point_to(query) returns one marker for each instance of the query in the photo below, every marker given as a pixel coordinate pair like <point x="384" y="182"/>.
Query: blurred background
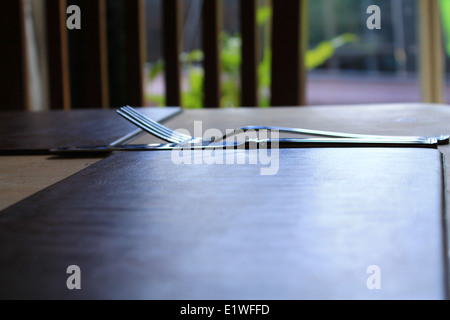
<point x="346" y="62"/>
<point x="367" y="66"/>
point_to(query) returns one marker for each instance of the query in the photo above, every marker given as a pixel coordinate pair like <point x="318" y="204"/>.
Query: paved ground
<point x="350" y="89"/>
<point x="354" y="90"/>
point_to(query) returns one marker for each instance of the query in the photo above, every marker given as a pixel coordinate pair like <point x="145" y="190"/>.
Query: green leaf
<point x="231" y="93"/>
<point x="264" y="69"/>
<point x="195" y="76"/>
<point x="263" y="15"/>
<point x="319" y="55"/>
<point x="326" y="49"/>
<point x="155" y="69"/>
<point x="191" y="101"/>
<point x="192" y="57"/>
<point x="231" y="54"/>
<point x="193" y="97"/>
<point x="343" y="39"/>
<point x="157" y="99"/>
<point x="445" y="12"/>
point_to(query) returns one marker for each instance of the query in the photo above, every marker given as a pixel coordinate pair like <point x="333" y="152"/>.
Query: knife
<point x="198" y="144"/>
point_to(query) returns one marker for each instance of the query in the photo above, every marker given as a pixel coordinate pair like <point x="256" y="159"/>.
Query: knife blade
<point x="254" y="144"/>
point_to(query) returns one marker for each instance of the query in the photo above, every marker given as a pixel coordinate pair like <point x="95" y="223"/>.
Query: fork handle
<point x="441" y="140"/>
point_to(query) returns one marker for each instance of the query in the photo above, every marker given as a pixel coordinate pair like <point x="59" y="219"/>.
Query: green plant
<point x="231" y="63"/>
<point x="193" y="97"/>
<point x="445" y="13"/>
<point x="155" y="69"/>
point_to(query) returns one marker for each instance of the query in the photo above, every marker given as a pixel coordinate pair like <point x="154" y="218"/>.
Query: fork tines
<point x="151" y="126"/>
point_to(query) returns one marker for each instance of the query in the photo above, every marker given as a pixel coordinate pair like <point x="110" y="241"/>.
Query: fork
<point x="153" y="127"/>
<point x="181" y="141"/>
<point x="441" y="140"/>
<point x="172" y="136"/>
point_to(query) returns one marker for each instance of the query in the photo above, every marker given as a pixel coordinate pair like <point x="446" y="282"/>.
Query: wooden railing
<point x="14" y="93"/>
<point x="88" y="69"/>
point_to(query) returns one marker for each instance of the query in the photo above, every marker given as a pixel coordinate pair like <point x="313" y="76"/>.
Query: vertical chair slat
<point x="58" y="54"/>
<point x="14" y="93"/>
<point x="126" y="52"/>
<point x="212" y="25"/>
<point x="117" y="60"/>
<point x="250" y="52"/>
<point x="135" y="51"/>
<point x="88" y="57"/>
<point x="288" y="52"/>
<point x="172" y="23"/>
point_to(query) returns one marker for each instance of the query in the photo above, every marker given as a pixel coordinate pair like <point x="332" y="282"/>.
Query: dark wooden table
<point x="36" y="133"/>
<point x="139" y="226"/>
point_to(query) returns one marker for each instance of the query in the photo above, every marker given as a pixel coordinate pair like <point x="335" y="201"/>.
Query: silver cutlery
<point x="177" y="141"/>
<point x="199" y="144"/>
<point x="172" y="136"/>
<point x="442" y="139"/>
<point x="154" y="128"/>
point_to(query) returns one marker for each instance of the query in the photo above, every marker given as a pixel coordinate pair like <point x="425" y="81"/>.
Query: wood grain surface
<point x="38" y="132"/>
<point x="419" y="119"/>
<point x="21" y="177"/>
<point x="141" y="227"/>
